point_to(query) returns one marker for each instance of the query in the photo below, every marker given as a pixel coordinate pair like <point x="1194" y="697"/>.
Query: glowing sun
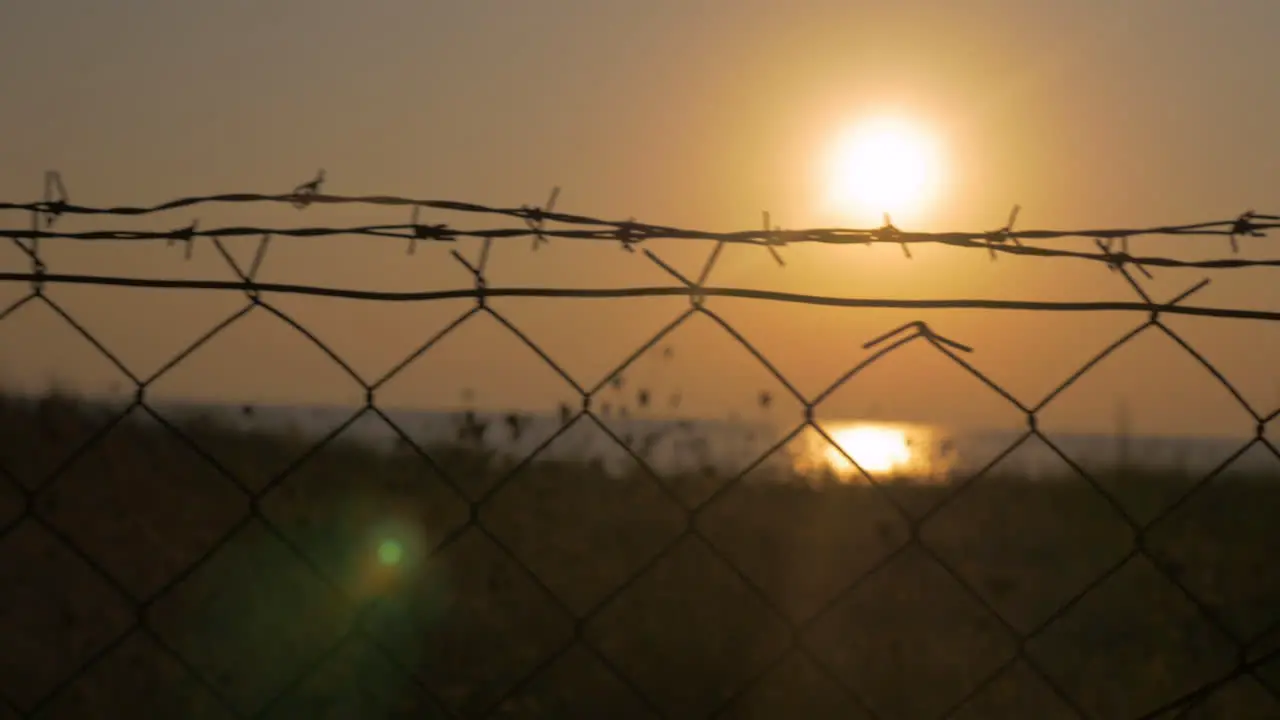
<point x="883" y="165"/>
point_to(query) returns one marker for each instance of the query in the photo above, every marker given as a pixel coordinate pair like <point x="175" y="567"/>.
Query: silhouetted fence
<point x="148" y="573"/>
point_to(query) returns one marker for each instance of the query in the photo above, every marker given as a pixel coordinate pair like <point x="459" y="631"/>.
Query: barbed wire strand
<point x="1004" y="240"/>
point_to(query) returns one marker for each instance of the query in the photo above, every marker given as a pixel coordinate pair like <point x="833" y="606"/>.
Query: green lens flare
<point x="390" y="552"/>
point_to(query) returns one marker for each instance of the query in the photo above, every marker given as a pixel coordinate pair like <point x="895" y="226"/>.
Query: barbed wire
<point x="1113" y="243"/>
<point x="1250" y="657"/>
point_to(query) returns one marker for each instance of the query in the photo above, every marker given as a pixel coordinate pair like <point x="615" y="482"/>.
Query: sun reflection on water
<point x="884" y="450"/>
<point x="874" y="449"/>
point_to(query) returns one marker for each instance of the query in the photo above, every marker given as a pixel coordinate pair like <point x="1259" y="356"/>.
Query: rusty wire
<point x="44" y="214"/>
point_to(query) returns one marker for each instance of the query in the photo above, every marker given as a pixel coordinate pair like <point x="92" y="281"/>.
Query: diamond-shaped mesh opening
<point x="252" y="618"/>
<point x="1131" y="644"/>
<point x="694" y="422"/>
<point x="57" y="395"/>
<point x="913" y="379"/>
<point x="1028" y="546"/>
<point x="1030" y="354"/>
<point x="915" y="418"/>
<point x="142" y="504"/>
<point x="576" y="685"/>
<point x="1147" y="431"/>
<point x="910" y="625"/>
<point x="364" y="511"/>
<point x="357" y="681"/>
<point x="1217" y="341"/>
<point x="594" y="529"/>
<point x="57" y="351"/>
<point x="1243" y="698"/>
<point x="589" y="339"/>
<point x="373" y="338"/>
<point x="471" y="624"/>
<point x="143" y="334"/>
<point x="263" y="416"/>
<point x="138" y="679"/>
<point x="1017" y="692"/>
<point x="692" y="612"/>
<point x="796" y="687"/>
<point x="812" y="346"/>
<point x="478" y="426"/>
<point x="56" y="614"/>
<point x="1217" y="543"/>
<point x="801" y="540"/>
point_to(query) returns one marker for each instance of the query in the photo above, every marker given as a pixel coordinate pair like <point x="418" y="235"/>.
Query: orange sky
<point x="699" y="114"/>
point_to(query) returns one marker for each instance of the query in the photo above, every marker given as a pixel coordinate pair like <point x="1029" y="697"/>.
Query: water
<point x="667" y="445"/>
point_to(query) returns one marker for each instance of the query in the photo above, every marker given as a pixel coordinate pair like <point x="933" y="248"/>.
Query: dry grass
<point x="141" y="525"/>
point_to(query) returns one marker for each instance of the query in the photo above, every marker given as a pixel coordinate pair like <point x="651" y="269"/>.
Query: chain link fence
<point x="158" y="566"/>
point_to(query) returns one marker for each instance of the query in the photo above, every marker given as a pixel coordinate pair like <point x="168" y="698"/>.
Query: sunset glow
<point x="885" y="165"/>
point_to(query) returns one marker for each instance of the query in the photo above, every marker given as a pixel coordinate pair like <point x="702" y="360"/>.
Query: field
<point x="141" y="581"/>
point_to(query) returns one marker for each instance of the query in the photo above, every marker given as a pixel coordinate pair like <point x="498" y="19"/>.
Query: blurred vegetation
<point x="562" y="591"/>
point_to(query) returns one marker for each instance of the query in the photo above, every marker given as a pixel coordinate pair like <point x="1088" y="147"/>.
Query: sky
<point x="1091" y="113"/>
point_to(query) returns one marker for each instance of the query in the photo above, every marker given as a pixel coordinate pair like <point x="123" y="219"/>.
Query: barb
<point x="628" y="234"/>
<point x="1244" y="225"/>
<point x="889" y="233"/>
<point x="186" y="236"/>
<point x="55" y="198"/>
<point x="1004" y="234"/>
<point x="305" y="194"/>
<point x="438" y="232"/>
<point x="775" y="238"/>
<point x="535" y="218"/>
<point x="1117" y="260"/>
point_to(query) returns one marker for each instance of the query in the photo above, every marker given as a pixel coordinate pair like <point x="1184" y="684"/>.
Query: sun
<point x="883" y="165"/>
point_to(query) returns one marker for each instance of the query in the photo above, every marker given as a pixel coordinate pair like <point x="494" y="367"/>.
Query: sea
<point x="882" y="448"/>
